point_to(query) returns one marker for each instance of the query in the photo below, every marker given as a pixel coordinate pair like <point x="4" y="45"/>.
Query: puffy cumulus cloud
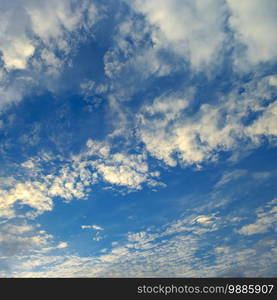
<point x="39" y="191"/>
<point x="254" y="23"/>
<point x="266" y="220"/>
<point x="193" y="30"/>
<point x="173" y="134"/>
<point x="61" y="15"/>
<point x="169" y="131"/>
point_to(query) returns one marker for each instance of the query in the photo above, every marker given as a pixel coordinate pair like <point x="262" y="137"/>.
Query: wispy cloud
<point x="266" y="220"/>
<point x="40" y="41"/>
<point x="170" y="250"/>
<point x="94" y="227"/>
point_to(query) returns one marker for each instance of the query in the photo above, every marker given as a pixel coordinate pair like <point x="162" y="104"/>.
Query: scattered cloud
<point x="170" y="133"/>
<point x="72" y="178"/>
<point x="155" y="60"/>
<point x="62" y="245"/>
<point x="164" y="251"/>
<point x="123" y="169"/>
<point x="230" y="176"/>
<point x="94" y="227"/>
<point x="265" y="221"/>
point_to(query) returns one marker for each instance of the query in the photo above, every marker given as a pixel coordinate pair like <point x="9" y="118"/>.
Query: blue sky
<point x="138" y="139"/>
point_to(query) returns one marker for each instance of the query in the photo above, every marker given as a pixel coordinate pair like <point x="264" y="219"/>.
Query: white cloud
<point x="262" y="175"/>
<point x="172" y="134"/>
<point x="19" y="239"/>
<point x="41" y="30"/>
<point x="162" y="251"/>
<point x="40" y="187"/>
<point x="11" y="93"/>
<point x="273" y="80"/>
<point x="33" y="194"/>
<point x="89" y="88"/>
<point x="62" y="245"/>
<point x="266" y="124"/>
<point x="133" y="59"/>
<point x="48" y="21"/>
<point x="199" y="32"/>
<point x="72" y="178"/>
<point x="170" y="249"/>
<point x="95" y="227"/>
<point x="205" y="220"/>
<point x="122" y="169"/>
<point x="166" y="134"/>
<point x="230" y="176"/>
<point x="254" y="24"/>
<point x="193" y="30"/>
<point x="266" y="220"/>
